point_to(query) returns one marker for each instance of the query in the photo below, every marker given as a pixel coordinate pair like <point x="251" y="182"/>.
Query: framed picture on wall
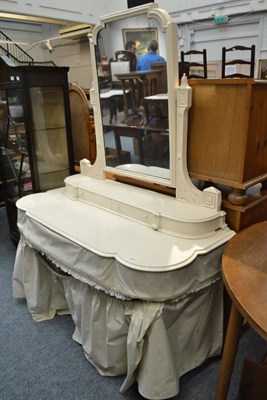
<point x="262" y="69"/>
<point x="141" y="37"/>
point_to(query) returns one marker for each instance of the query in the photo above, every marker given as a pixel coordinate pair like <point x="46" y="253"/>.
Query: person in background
<point x="104" y="67"/>
<point x="130" y="46"/>
<point x="144" y="62"/>
<point x="105" y="60"/>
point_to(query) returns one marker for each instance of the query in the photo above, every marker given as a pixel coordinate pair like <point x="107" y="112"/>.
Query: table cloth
<point x="150" y="326"/>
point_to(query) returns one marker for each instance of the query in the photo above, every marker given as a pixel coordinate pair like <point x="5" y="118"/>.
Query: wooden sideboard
<point x="227" y="134"/>
<point x="255" y="209"/>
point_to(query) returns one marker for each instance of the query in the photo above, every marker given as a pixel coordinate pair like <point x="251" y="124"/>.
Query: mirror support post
<point x="97" y="169"/>
<point x="185" y="189"/>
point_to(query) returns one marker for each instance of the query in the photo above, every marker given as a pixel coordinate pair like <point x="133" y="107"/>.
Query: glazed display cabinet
<point x="35" y="132"/>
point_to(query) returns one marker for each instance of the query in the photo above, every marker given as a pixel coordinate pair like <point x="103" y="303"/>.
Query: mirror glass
<point x="133" y="99"/>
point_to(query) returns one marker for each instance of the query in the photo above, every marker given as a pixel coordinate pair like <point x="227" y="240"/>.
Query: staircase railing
<point x="15" y="53"/>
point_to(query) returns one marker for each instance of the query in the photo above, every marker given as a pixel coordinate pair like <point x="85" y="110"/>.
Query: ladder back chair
<point x="250" y="61"/>
<point x="200" y="66"/>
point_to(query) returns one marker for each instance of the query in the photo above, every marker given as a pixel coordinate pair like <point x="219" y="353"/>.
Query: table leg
<point x="141" y="150"/>
<point x="112" y="111"/>
<point x="229" y="353"/>
<point x="132" y="133"/>
<point x="118" y="144"/>
<point x="146" y="110"/>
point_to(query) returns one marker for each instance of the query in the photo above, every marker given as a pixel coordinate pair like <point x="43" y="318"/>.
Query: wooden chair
<point x="186" y="66"/>
<point x="115" y="90"/>
<point x="244" y="267"/>
<point x="163" y="77"/>
<point x="250" y="61"/>
<point x="156" y="102"/>
<point x="126" y="55"/>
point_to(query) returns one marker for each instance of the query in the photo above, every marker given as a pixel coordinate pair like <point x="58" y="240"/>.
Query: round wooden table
<point x="244" y="271"/>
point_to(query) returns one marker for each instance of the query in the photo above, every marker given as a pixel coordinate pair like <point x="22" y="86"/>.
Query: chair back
<point x="163" y="76"/>
<point x="117" y="67"/>
<point x="250" y="61"/>
<point x="200" y="66"/>
<point x="126" y="55"/>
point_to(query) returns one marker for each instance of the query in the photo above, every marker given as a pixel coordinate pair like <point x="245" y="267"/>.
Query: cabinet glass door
<point x="15" y="159"/>
<point x="49" y="136"/>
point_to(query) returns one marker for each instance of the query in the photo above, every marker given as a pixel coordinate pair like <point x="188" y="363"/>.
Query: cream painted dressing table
<point x="138" y="271"/>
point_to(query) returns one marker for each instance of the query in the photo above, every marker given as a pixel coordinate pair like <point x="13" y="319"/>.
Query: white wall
<point x="75" y="55"/>
<point x="196" y="10"/>
<point x="89" y="11"/>
<point x="83" y="11"/>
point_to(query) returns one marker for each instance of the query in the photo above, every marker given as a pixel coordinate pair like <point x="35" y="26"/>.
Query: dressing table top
<point x="143" y="230"/>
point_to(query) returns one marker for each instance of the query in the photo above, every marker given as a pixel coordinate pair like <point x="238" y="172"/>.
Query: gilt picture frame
<point x="262" y="69"/>
<point x="141" y="37"/>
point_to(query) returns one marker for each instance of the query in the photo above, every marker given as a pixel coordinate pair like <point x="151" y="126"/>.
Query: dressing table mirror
<point x="131" y="143"/>
<point x="157" y="147"/>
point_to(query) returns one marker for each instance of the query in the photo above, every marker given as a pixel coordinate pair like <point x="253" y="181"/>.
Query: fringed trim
<point x="115" y="293"/>
<point x="133" y="305"/>
<point x="82" y="278"/>
<point x="197" y="288"/>
<point x="77" y="275"/>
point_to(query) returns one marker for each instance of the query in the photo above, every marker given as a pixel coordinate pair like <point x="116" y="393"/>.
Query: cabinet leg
<point x="238" y="197"/>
